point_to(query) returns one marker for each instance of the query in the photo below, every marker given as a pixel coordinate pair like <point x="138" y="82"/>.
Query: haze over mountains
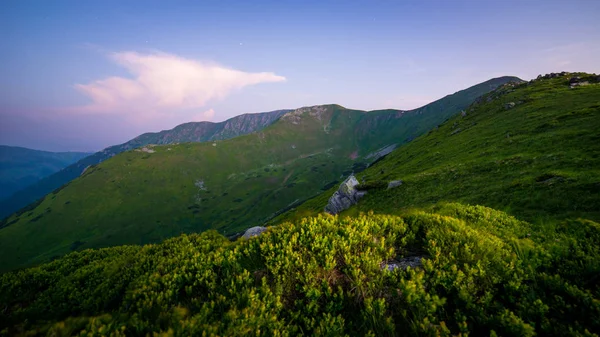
<point x="21" y="167"/>
<point x="155" y="192"/>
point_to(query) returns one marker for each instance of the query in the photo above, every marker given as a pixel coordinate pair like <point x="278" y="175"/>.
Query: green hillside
<point x="149" y="194"/>
<point x="188" y="132"/>
<point x="538" y="160"/>
<point x="21" y="167"/>
<point x="529" y="150"/>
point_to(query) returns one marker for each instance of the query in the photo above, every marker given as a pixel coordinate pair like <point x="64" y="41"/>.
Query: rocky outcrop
<point x="404" y="263"/>
<point x="552" y="75"/>
<point x="509" y="105"/>
<point x="317" y="112"/>
<point x="253" y="231"/>
<point x="574" y="79"/>
<point x="577" y="82"/>
<point x="384" y="151"/>
<point x="346" y="196"/>
<point x="394" y="183"/>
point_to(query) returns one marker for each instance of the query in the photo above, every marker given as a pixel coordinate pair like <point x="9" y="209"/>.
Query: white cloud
<point x="165" y="82"/>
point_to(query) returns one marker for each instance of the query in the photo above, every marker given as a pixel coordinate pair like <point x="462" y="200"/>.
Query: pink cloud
<point x="164" y="82"/>
<point x="204" y="116"/>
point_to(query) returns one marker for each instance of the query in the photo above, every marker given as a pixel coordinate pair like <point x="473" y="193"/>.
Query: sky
<point x="84" y="75"/>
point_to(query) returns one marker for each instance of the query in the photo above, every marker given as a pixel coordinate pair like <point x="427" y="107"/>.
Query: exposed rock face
<point x="317" y="112"/>
<point x="394" y="183"/>
<point x="509" y="105"/>
<point x="346" y="196"/>
<point x="577" y="81"/>
<point x="254" y="231"/>
<point x="552" y="75"/>
<point x="404" y="263"/>
<point x="85" y="169"/>
<point x="384" y="151"/>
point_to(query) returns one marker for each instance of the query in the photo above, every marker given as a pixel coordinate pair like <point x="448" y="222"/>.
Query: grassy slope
<point x="21" y="167"/>
<point x="539" y="160"/>
<point x="138" y="197"/>
<point x="188" y="132"/>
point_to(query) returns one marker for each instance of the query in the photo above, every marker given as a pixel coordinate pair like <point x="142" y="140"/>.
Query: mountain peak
<point x="318" y="112"/>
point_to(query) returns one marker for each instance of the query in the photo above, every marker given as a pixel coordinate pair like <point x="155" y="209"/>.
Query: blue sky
<point x="83" y="75"/>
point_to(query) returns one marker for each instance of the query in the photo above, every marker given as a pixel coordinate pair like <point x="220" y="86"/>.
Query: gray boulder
<point x="394" y="183"/>
<point x="254" y="231"/>
<point x="346" y="196"/>
<point x="509" y="105"/>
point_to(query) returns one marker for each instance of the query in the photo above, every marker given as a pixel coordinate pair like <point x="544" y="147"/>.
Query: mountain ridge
<point x="526" y="102"/>
<point x="187" y="132"/>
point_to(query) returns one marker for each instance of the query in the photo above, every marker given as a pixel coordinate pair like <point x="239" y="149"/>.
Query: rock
<point x="394" y="183"/>
<point x="579" y="84"/>
<point x="574" y="79"/>
<point x="85" y="169"/>
<point x="463" y="113"/>
<point x="455" y="131"/>
<point x="254" y="231"/>
<point x="346" y="196"/>
<point x="509" y="105"/>
<point x="404" y="263"/>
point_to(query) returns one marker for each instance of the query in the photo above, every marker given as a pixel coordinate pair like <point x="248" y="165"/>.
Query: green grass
<point x="539" y="161"/>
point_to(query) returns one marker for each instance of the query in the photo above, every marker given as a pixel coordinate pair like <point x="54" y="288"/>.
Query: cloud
<point x="166" y="82"/>
<point x="205" y="115"/>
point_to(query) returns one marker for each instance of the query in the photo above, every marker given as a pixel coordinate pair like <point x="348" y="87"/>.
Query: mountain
<point x="188" y="132"/>
<point x="21" y="167"/>
<point x="436" y="266"/>
<point x="532" y="150"/>
<point x="156" y="192"/>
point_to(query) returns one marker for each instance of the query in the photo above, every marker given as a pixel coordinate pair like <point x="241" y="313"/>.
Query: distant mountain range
<point x="17" y="198"/>
<point x="155" y="192"/>
<point x="21" y="167"/>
